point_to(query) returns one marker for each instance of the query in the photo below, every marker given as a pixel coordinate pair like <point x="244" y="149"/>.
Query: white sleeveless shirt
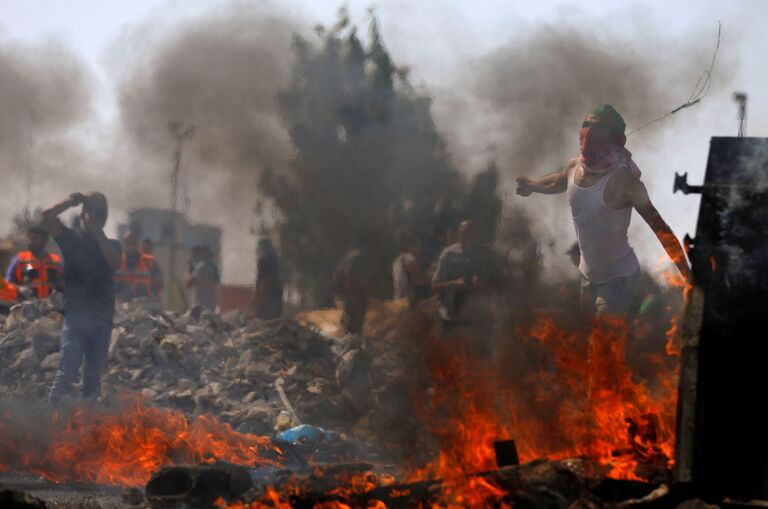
<point x="601" y="231"/>
<point x="402" y="283"/>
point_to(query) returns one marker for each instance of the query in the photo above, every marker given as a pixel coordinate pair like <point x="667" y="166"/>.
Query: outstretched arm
<point x="642" y="203"/>
<point x="554" y="183"/>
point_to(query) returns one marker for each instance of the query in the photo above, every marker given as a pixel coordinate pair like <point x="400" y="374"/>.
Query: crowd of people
<point x="93" y="273"/>
<point x="462" y="270"/>
<point x="464" y="275"/>
<point x="37" y="273"/>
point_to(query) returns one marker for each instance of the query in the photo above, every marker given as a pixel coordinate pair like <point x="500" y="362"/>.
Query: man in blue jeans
<point x="89" y="292"/>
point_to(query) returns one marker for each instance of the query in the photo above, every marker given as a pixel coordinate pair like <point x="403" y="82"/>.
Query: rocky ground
<point x="205" y="363"/>
<point x="261" y="377"/>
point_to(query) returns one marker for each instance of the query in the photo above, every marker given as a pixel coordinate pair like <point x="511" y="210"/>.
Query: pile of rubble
<point x="195" y="362"/>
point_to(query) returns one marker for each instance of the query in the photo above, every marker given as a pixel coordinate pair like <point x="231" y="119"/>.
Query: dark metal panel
<point x="722" y="443"/>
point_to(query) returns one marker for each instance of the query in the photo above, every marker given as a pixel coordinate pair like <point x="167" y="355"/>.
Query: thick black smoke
<point x="220" y="73"/>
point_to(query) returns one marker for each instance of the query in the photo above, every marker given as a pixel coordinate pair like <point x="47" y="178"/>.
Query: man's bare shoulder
<point x="571" y="165"/>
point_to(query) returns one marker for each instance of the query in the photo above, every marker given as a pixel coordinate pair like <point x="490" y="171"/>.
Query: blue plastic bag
<point x="305" y="433"/>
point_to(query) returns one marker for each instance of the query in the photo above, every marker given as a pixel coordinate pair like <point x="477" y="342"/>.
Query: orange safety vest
<point x="38" y="273"/>
<point x="9" y="294"/>
<point x="139" y="278"/>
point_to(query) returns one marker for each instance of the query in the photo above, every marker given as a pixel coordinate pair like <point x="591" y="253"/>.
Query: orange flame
<point x="612" y="418"/>
<point x="466" y="422"/>
<point x="596" y="407"/>
<point x="126" y="447"/>
<point x="599" y="411"/>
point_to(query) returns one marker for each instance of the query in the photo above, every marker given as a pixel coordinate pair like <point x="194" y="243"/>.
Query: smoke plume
<point x="44" y="93"/>
<point x="219" y="73"/>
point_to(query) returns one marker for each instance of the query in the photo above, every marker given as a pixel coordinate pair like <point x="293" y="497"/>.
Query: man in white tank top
<point x="603" y="186"/>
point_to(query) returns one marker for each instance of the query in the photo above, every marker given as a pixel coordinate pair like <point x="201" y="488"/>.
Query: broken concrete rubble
<point x="226" y="366"/>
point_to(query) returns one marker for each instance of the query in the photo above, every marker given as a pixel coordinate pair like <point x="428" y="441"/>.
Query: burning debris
<point x="198" y="372"/>
<point x="124" y="446"/>
<point x="483" y="386"/>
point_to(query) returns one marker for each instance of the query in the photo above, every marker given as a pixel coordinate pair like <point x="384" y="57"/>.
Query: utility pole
<point x="182" y="133"/>
<point x="741" y="100"/>
<point x="30" y="176"/>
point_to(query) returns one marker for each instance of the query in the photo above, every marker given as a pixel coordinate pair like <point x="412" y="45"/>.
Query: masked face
<point x="597" y="145"/>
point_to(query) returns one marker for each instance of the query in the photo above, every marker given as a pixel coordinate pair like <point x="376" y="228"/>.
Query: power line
<point x="699" y="91"/>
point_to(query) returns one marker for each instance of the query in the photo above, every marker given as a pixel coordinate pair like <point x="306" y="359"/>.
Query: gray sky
<point x="435" y="38"/>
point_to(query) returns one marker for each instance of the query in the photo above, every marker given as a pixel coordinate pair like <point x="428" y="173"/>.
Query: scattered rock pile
<point x="195" y="362"/>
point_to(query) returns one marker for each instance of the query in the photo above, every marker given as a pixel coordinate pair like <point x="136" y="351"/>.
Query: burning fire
<point x="588" y="404"/>
<point x="617" y="422"/>
<point x="466" y="419"/>
<point x="591" y="405"/>
<point x="126" y="447"/>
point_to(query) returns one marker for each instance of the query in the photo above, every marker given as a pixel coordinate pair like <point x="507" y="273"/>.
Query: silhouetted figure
<point x="268" y="297"/>
<point x="352" y="283"/>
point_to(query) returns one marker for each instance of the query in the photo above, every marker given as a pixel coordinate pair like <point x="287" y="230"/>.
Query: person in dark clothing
<point x="466" y="276"/>
<point x="89" y="292"/>
<point x="268" y="297"/>
<point x="352" y="282"/>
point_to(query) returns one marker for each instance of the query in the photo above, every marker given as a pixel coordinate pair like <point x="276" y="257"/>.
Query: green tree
<point x="367" y="156"/>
